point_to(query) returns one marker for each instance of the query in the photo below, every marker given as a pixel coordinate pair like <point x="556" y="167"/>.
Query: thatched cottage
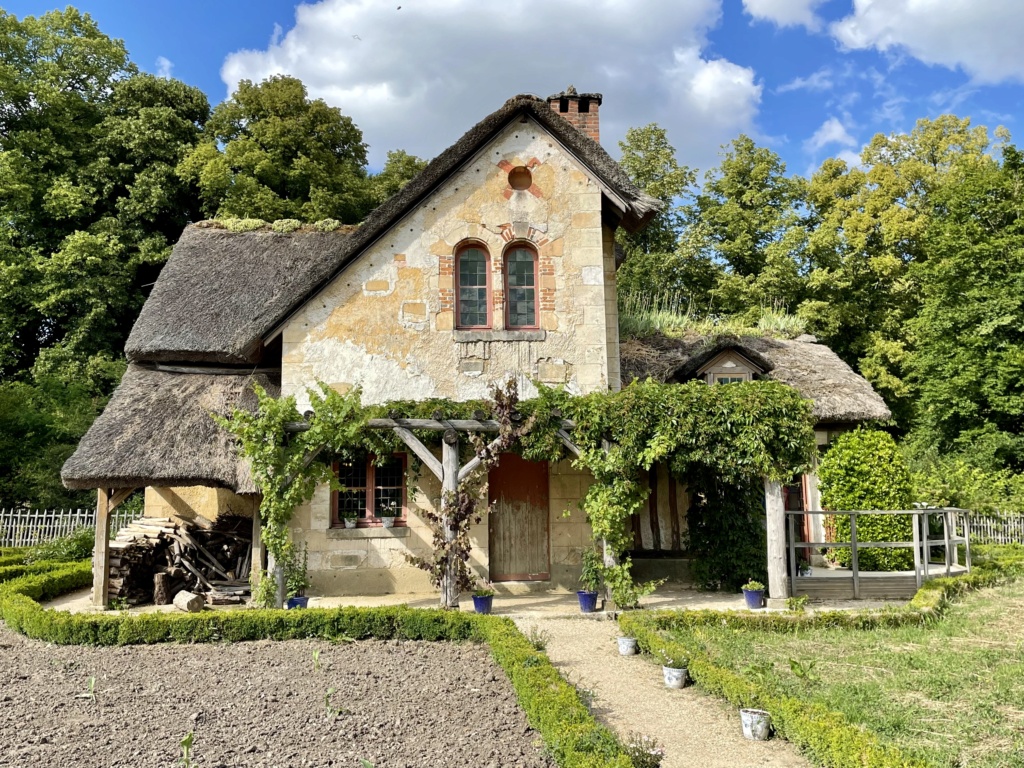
<point x="498" y="259"/>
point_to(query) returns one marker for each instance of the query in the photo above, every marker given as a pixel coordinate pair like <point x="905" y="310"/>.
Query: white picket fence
<point x="27" y="527"/>
<point x="997" y="529"/>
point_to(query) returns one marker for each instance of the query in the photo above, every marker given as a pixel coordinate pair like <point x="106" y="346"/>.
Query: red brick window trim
<point x="473" y="299"/>
<point x="370" y="490"/>
<point x="522" y="279"/>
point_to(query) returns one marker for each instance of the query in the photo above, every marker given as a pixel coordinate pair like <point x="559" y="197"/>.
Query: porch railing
<point x="953" y="521"/>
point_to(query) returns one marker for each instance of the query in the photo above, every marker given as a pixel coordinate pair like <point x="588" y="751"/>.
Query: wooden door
<point x="518" y="493"/>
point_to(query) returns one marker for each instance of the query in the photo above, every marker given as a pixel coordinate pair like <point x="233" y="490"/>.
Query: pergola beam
<point x="459" y="425"/>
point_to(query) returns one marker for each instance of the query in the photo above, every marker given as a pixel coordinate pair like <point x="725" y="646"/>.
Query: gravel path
<point x="260" y="705"/>
<point x="698" y="731"/>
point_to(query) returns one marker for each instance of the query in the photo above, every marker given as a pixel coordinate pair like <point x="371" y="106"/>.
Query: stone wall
<point x="185" y="503"/>
<point x="387" y="322"/>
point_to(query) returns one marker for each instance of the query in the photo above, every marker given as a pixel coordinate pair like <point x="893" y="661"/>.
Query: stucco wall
<point x="387" y="322"/>
<point x="185" y="503"/>
<point x="373" y="560"/>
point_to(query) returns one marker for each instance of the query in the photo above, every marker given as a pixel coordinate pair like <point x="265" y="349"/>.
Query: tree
<point x="269" y="152"/>
<point x="399" y="169"/>
<point x="89" y="205"/>
<point x="967" y="360"/>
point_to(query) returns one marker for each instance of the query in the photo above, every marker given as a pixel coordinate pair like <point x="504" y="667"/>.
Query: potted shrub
<point x="388" y="515"/>
<point x="627" y="646"/>
<point x="483" y="598"/>
<point x="673" y="670"/>
<point x="297" y="579"/>
<point x="349" y="518"/>
<point x="591" y="579"/>
<point x="753" y="593"/>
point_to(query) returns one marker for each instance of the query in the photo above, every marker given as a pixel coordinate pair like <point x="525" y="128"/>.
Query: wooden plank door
<point x="518" y="530"/>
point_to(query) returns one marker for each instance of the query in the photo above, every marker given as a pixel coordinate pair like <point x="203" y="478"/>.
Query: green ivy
<point x="864" y="469"/>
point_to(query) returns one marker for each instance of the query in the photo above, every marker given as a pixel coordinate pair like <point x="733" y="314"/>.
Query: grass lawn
<point x="951" y="693"/>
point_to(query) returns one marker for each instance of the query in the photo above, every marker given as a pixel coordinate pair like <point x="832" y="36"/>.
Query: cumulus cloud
<point x="981" y="37"/>
<point x="164" y="66"/>
<point x="832" y="131"/>
<point x="416" y="76"/>
<point x="786" y="13"/>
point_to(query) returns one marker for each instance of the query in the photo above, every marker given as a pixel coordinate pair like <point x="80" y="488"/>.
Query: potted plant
<point x="349" y="518"/>
<point x="757" y="724"/>
<point x="591" y="579"/>
<point x="483" y="597"/>
<point x="627" y="646"/>
<point x="753" y="593"/>
<point x="673" y="670"/>
<point x="297" y="579"/>
<point x="388" y="514"/>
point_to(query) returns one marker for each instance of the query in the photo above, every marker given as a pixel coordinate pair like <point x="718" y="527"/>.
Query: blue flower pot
<point x="297" y="602"/>
<point x="588" y="601"/>
<point x="482" y="604"/>
<point x="754" y="598"/>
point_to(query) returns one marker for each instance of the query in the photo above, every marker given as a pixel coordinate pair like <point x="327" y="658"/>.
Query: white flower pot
<point x="674" y="677"/>
<point x="757" y="724"/>
<point x="387" y="522"/>
<point x="350" y="522"/>
<point x="627" y="646"/>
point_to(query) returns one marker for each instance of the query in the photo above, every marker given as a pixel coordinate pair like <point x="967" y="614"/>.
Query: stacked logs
<point x="155" y="558"/>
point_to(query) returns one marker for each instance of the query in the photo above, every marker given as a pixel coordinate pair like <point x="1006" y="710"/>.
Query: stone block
<point x="414" y="311"/>
<point x="444" y="321"/>
<point x="376" y="286"/>
<point x="553" y="373"/>
<point x="346" y="559"/>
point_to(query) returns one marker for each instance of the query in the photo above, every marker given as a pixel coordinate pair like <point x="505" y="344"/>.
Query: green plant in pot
<point x="591" y="580"/>
<point x="753" y="594"/>
<point x="673" y="670"/>
<point x="483" y="597"/>
<point x="296" y="576"/>
<point x="349" y="518"/>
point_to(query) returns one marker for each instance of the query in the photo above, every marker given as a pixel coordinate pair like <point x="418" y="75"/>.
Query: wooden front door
<point x="518" y="493"/>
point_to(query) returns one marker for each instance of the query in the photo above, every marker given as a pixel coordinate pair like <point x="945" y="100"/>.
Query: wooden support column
<point x="673" y="511"/>
<point x="449" y="489"/>
<point x="652" y="482"/>
<point x="775" y="510"/>
<point x="258" y="550"/>
<point x="101" y="550"/>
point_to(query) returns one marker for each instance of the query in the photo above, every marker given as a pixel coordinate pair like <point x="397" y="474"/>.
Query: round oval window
<point x="520" y="177"/>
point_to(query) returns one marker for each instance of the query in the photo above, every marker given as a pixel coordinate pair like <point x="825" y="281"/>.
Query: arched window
<point x="472" y="288"/>
<point x="521" y="287"/>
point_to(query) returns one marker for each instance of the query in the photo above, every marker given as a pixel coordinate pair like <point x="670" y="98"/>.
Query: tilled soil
<point x="260" y="704"/>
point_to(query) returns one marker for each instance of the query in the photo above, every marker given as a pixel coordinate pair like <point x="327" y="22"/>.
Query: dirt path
<point x="697" y="730"/>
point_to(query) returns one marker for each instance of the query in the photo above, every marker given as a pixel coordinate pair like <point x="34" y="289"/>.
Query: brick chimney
<point x="580" y="109"/>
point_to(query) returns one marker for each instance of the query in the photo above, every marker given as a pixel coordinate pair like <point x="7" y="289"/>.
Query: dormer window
<point x="729" y="367"/>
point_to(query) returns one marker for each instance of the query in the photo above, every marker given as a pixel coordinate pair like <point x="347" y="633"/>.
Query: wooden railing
<point x="27" y="527"/>
<point x="921" y="543"/>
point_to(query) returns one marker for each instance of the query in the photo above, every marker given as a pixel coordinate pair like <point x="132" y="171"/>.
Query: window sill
<point x="398" y="532"/>
<point x="484" y="335"/>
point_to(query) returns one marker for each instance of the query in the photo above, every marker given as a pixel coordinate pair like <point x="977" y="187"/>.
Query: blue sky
<point x="809" y="78"/>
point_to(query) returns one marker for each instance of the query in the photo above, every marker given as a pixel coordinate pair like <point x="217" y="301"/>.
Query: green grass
<point x="950" y="693"/>
<point x="643" y="314"/>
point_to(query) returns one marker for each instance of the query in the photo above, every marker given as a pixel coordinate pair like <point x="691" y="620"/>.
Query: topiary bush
<point x="864" y="469"/>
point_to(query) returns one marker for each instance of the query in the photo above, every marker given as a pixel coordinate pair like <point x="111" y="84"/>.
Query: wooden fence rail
<point x="996" y="529"/>
<point x="27" y="527"/>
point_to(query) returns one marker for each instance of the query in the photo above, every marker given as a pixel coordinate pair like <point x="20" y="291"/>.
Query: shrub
<point x="77" y="545"/>
<point x="326" y="225"/>
<point x="244" y="225"/>
<point x="864" y="469"/>
<point x="727" y="533"/>
<point x="284" y="226"/>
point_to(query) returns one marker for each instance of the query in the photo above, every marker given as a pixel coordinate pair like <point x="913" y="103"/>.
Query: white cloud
<point x="981" y="37"/>
<point x="821" y="80"/>
<point x="832" y="131"/>
<point x="786" y="13"/>
<point x="164" y="66"/>
<point x="417" y="77"/>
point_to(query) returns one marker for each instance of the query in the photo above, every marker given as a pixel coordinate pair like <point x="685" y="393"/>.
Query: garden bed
<point x="396" y="703"/>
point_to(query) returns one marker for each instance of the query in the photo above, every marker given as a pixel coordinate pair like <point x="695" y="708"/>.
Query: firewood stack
<point x="155" y="558"/>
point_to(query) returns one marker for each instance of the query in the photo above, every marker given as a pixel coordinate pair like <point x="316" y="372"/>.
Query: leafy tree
<point x="399" y="169"/>
<point x="967" y="364"/>
<point x="269" y="152"/>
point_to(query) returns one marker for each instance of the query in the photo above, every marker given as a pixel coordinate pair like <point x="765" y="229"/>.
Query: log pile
<point x="153" y="559"/>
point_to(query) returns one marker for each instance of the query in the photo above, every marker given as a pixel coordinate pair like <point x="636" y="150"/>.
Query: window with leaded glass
<point x="370" y="491"/>
<point x="472" y="268"/>
<point x="521" y="288"/>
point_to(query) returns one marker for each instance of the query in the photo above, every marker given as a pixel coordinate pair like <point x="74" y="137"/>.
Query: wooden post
<point x="917" y="549"/>
<point x="927" y="550"/>
<point x="449" y="490"/>
<point x="775" y="511"/>
<point x="258" y="550"/>
<point x="791" y="535"/>
<point x="853" y="556"/>
<point x="652" y="506"/>
<point x="101" y="550"/>
<point x="947" y="536"/>
<point x="673" y="511"/>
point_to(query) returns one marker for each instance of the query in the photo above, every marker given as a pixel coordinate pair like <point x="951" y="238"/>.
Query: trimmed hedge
<point x="553" y="707"/>
<point x="828" y="736"/>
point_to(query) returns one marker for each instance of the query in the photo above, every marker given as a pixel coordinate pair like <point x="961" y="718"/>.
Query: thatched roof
<point x="221" y="292"/>
<point x="840" y="395"/>
<point x="157" y="431"/>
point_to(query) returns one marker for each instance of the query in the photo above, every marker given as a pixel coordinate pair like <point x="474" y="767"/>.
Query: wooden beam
<point x="459" y="425"/>
<point x="475" y="462"/>
<point x="673" y="512"/>
<point x="652" y="507"/>
<point x="449" y="488"/>
<point x="422" y="452"/>
<point x="775" y="511"/>
<point x="101" y="549"/>
<point x="119" y="496"/>
<point x="568" y="443"/>
<point x="258" y="552"/>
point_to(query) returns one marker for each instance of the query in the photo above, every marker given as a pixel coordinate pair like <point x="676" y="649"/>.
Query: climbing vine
<point x="737" y="432"/>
